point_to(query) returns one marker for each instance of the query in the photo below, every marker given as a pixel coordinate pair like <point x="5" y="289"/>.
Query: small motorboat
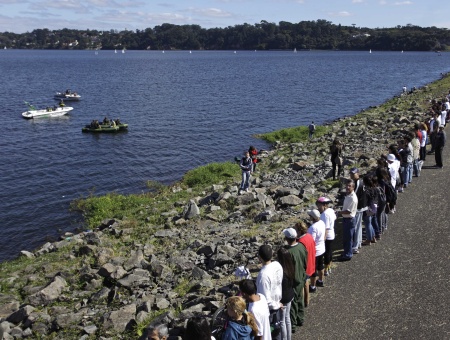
<point x="105" y="126"/>
<point x="68" y="96"/>
<point x="54" y="111"/>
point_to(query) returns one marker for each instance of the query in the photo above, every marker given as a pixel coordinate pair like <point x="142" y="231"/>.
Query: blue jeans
<point x="416" y="167"/>
<point x="286" y="327"/>
<point x="348" y="235"/>
<point x="407" y="171"/>
<point x="357" y="237"/>
<point x="245" y="183"/>
<point x="370" y="234"/>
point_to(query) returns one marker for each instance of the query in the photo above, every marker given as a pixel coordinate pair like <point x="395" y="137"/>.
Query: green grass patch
<point x="213" y="173"/>
<point x="292" y="135"/>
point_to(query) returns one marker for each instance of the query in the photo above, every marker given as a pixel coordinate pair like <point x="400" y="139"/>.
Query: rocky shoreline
<point x="83" y="287"/>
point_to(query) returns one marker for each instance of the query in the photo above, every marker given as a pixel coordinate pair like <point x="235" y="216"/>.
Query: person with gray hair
<point x="157" y="332"/>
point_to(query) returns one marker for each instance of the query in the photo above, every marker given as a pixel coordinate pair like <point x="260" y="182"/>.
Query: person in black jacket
<point x="439" y="145"/>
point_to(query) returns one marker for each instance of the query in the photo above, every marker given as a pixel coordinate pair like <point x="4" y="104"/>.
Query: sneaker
<point x="344" y="258"/>
<point x="319" y="283"/>
<point x="246" y="190"/>
<point x="355" y="251"/>
<point x="326" y="273"/>
<point x="312" y="289"/>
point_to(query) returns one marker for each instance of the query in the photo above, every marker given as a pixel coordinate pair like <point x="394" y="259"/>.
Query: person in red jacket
<point x="253" y="153"/>
<point x="310" y="245"/>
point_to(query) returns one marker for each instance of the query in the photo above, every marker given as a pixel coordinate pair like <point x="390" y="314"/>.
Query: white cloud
<point x="340" y="14"/>
<point x="403" y="3"/>
<point x="211" y="12"/>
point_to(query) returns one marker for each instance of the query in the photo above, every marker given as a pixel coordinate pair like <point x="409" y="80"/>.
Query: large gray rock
<point x="139" y="277"/>
<point x="191" y="210"/>
<point x="120" y="320"/>
<point x="134" y="261"/>
<point x="50" y="293"/>
<point x="21" y="314"/>
<point x="290" y="200"/>
<point x="8" y="305"/>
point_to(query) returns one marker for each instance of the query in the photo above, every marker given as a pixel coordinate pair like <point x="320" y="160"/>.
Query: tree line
<point x="305" y="35"/>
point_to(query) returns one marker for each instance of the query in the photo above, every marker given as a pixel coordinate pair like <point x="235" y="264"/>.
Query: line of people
<point x="273" y="306"/>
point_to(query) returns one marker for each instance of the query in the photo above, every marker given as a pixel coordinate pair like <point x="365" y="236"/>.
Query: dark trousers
<point x="423" y="152"/>
<point x="298" y="306"/>
<point x="438" y="155"/>
<point x="338" y="166"/>
<point x="348" y="235"/>
<point x="328" y="256"/>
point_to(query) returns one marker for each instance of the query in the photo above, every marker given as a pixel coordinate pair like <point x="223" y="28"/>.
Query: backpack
<point x="381" y="197"/>
<point x="391" y="194"/>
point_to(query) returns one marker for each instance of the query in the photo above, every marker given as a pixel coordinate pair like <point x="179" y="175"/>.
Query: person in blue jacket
<point x="242" y="324"/>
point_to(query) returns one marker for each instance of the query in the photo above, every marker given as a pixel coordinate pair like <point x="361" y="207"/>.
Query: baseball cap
<point x="290" y="233"/>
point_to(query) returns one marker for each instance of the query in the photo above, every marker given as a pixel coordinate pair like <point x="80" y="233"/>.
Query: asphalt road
<point x="397" y="288"/>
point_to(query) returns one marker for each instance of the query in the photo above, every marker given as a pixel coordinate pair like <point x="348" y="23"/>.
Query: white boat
<point x="67" y="96"/>
<point x="55" y="111"/>
<point x="123" y="51"/>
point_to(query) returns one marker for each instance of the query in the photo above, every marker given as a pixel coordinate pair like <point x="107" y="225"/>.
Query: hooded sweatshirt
<point x="238" y="331"/>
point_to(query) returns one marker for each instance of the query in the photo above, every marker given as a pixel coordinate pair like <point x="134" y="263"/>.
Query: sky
<point x="20" y="16"/>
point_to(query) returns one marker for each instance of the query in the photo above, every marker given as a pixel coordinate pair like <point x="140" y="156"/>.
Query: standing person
<point x="336" y="157"/>
<point x="287" y="262"/>
<point x="310" y="246"/>
<point x="348" y="214"/>
<point x="298" y="253"/>
<point x="444" y="115"/>
<point x="268" y="283"/>
<point x="416" y="153"/>
<point x="423" y="141"/>
<point x="312" y="129"/>
<point x="246" y="165"/>
<point x="257" y="305"/>
<point x="242" y="325"/>
<point x="393" y="165"/>
<point x="317" y="231"/>
<point x="434" y="127"/>
<point x="253" y="155"/>
<point x="372" y="204"/>
<point x="328" y="216"/>
<point x="362" y="207"/>
<point x="380" y="219"/>
<point x="409" y="159"/>
<point x="61" y="103"/>
<point x="440" y="143"/>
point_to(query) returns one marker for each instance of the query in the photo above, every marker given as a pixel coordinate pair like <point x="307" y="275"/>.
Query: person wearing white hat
<point x="393" y="165"/>
<point x="317" y="231"/>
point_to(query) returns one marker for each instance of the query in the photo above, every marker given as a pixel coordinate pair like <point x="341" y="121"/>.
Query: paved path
<point x="399" y="287"/>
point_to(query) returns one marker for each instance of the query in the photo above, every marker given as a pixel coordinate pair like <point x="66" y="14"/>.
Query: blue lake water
<point x="183" y="110"/>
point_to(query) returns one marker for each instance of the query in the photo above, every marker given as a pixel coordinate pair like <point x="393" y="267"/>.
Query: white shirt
<point x="393" y="170"/>
<point x="424" y="138"/>
<point x="268" y="283"/>
<point x="443" y="117"/>
<point x="328" y="217"/>
<point x="260" y="310"/>
<point x="350" y="204"/>
<point x="317" y="231"/>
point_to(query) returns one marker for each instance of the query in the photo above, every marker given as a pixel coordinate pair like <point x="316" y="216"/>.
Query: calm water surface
<point x="183" y="109"/>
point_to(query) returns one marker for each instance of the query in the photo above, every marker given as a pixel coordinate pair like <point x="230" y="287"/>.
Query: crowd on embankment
<point x="172" y="274"/>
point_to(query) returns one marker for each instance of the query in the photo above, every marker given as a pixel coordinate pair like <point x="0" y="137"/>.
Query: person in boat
<point x="118" y="121"/>
<point x="97" y="124"/>
<point x="61" y="103"/>
<point x="105" y="121"/>
<point x="113" y="124"/>
<point x="67" y="91"/>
